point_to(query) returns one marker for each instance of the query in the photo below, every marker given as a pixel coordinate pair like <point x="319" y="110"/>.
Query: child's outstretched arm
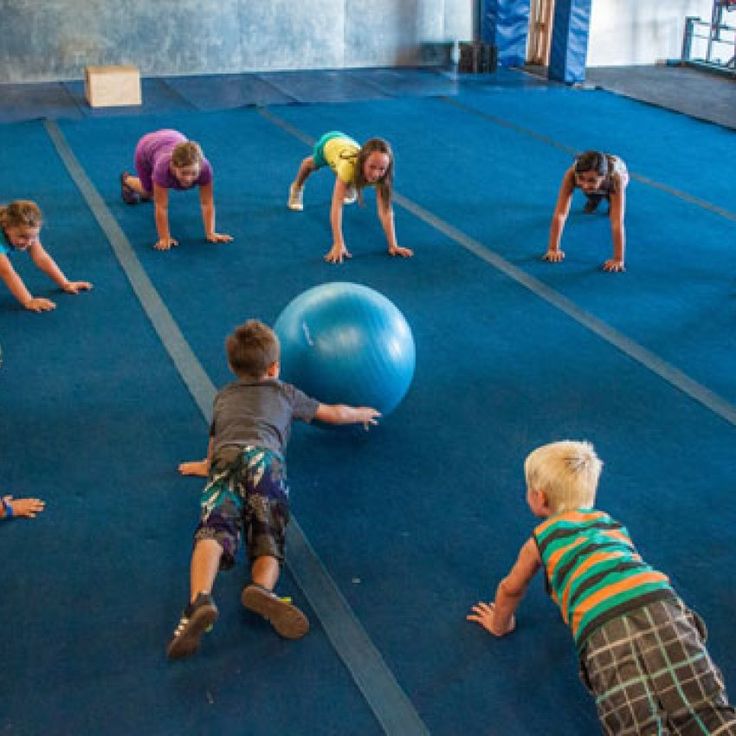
<point x="344" y="414"/>
<point x="498" y="617"/>
<point x="16" y="507"/>
<point x="559" y="218"/>
<point x="207" y="203"/>
<point x="49" y="266"/>
<point x="200" y="468"/>
<point x="339" y="249"/>
<point x="18" y="289"/>
<point x="386" y="216"/>
<point x="161" y="216"/>
<point x="618" y="232"/>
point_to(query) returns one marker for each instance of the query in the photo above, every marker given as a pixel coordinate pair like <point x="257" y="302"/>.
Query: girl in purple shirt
<point x="165" y="160"/>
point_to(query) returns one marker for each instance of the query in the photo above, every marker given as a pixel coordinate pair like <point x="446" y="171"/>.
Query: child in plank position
<point x="247" y="490"/>
<point x="20" y="227"/>
<point x="642" y="651"/>
<point x="165" y="160"/>
<point x="599" y="176"/>
<point x="355" y="168"/>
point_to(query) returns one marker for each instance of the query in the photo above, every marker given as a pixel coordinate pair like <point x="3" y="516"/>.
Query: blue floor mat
<point x="30" y="101"/>
<point x="156" y="95"/>
<point x="322" y="86"/>
<point x="221" y="92"/>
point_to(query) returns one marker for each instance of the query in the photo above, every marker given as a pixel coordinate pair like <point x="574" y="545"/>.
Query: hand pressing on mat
<point x="200" y="468"/>
<point x="12" y="508"/>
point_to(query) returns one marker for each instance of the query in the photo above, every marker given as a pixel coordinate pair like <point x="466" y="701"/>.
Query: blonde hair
<point x="567" y="472"/>
<point x="251" y="349"/>
<point x="187" y="153"/>
<point x="20" y="213"/>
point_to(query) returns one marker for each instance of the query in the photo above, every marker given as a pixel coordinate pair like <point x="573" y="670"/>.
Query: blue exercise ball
<point x="344" y="343"/>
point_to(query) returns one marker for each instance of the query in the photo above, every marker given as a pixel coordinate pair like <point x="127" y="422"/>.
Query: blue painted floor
<point x="421" y="517"/>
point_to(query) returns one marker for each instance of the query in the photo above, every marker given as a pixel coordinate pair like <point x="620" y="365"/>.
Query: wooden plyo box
<point x="112" y="86"/>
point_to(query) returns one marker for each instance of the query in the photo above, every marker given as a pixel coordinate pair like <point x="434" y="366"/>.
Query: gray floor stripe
<point x="654" y="363"/>
<point x="389" y="703"/>
<point x="288" y="127"/>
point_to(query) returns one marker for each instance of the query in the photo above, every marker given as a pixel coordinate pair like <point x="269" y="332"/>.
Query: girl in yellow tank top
<point x="355" y="168"/>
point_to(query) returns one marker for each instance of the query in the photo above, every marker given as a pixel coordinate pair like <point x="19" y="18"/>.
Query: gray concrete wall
<point x="51" y="40"/>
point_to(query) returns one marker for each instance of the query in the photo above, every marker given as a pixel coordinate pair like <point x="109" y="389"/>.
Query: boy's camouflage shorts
<point x="247" y="493"/>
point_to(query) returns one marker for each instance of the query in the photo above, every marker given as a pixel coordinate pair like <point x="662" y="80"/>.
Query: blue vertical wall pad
<point x="505" y="24"/>
<point x="569" y="45"/>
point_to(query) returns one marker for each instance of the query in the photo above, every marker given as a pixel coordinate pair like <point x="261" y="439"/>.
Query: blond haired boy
<point x="642" y="651"/>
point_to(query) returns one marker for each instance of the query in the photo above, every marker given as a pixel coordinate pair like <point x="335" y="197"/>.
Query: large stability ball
<point x="344" y="343"/>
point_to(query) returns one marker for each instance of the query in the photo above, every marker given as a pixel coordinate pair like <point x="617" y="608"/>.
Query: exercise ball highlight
<point x="345" y="343"/>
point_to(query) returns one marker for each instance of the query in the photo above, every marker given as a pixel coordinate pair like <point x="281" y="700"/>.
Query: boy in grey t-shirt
<point x="247" y="490"/>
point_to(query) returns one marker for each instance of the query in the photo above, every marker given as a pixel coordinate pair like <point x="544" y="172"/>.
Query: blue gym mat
<point x="416" y="520"/>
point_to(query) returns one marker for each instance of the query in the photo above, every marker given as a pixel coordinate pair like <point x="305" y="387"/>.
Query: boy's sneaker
<point x="296" y="198"/>
<point x="350" y="195"/>
<point x="198" y="618"/>
<point x="285" y="617"/>
<point x="129" y="195"/>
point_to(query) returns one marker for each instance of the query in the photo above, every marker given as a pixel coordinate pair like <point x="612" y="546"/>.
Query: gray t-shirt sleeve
<point x="303" y="407"/>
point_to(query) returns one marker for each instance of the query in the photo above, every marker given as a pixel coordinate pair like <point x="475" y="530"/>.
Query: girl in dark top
<point x="598" y="175"/>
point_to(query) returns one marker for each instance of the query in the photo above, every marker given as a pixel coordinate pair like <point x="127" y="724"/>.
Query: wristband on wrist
<point x="8" y="509"/>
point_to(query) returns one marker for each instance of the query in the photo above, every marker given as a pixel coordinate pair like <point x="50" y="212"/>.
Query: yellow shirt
<point x="341" y="155"/>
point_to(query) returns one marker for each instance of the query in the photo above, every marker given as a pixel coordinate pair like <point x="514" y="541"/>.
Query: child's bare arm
<point x="18" y="289"/>
<point x="207" y="203"/>
<point x="559" y="218"/>
<point x="200" y="468"/>
<point x="339" y="250"/>
<point x="344" y="414"/>
<point x="48" y="265"/>
<point x="13" y="281"/>
<point x="161" y="216"/>
<point x="386" y="216"/>
<point x="498" y="617"/>
<point x="618" y="232"/>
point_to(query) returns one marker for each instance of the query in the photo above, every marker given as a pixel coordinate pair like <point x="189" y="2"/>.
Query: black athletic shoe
<point x="128" y="194"/>
<point x="198" y="618"/>
<point x="286" y="618"/>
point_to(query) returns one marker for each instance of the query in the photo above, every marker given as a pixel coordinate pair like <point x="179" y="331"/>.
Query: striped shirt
<point x="593" y="570"/>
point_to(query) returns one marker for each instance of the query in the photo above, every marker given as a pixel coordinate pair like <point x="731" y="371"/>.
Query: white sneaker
<point x="296" y="198"/>
<point x="350" y="195"/>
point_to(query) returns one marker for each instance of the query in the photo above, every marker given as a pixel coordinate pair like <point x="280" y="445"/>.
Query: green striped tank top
<point x="593" y="570"/>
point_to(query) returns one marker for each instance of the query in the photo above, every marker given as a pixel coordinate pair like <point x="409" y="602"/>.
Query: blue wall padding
<point x="505" y="24"/>
<point x="569" y="46"/>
